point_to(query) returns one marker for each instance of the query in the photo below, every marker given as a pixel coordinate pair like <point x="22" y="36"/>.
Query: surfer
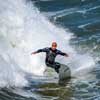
<point x="51" y="53"/>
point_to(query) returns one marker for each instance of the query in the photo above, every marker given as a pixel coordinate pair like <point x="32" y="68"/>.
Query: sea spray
<point x="24" y="29"/>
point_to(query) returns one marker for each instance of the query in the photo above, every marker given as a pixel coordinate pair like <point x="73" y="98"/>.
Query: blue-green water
<point x="82" y="18"/>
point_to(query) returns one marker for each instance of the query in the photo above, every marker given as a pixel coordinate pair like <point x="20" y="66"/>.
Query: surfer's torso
<point x="51" y="54"/>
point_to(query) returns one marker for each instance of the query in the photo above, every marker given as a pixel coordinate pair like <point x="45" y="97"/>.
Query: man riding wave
<point x="51" y="53"/>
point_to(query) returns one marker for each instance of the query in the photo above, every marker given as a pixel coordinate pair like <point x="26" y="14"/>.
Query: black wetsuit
<point x="50" y="57"/>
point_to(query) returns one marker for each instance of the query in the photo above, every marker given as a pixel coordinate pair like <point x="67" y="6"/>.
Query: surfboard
<point x="64" y="74"/>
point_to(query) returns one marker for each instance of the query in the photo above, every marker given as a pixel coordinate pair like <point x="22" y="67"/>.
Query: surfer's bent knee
<point x="49" y="65"/>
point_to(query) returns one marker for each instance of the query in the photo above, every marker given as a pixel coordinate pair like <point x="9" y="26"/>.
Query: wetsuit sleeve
<point x="61" y="53"/>
<point x="42" y="50"/>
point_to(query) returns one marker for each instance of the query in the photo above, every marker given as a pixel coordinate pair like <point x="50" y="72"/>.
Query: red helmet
<point x="54" y="44"/>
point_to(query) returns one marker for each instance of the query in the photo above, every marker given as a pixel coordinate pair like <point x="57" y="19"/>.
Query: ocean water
<point x="27" y="25"/>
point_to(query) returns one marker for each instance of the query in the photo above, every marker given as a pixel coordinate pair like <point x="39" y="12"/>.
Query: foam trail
<point x="22" y="30"/>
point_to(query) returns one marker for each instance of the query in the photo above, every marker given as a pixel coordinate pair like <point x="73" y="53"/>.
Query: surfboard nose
<point x="64" y="74"/>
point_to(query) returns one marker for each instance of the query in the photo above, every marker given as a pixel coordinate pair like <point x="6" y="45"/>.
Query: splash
<point x="24" y="29"/>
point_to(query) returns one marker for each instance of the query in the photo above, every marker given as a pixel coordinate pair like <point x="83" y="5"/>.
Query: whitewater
<point x="24" y="29"/>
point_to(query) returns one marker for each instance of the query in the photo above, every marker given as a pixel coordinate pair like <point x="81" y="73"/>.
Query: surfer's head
<point x="54" y="45"/>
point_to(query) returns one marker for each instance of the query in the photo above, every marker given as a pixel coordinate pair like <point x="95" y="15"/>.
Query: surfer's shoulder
<point x="58" y="50"/>
<point x="47" y="48"/>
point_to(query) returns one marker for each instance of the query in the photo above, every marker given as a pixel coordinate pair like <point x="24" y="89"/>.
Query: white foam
<point x="23" y="30"/>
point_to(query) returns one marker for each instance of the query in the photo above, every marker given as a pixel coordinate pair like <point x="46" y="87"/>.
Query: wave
<point x="24" y="29"/>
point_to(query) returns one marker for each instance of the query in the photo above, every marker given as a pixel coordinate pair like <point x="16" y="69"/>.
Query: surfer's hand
<point x="33" y="53"/>
<point x="66" y="55"/>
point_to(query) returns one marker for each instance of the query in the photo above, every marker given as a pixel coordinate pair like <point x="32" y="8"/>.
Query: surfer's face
<point x="54" y="47"/>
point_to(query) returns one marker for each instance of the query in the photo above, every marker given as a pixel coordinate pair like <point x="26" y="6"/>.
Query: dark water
<point x="82" y="17"/>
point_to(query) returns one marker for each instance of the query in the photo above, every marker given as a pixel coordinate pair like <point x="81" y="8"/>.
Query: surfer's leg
<point x="57" y="66"/>
<point x="50" y="65"/>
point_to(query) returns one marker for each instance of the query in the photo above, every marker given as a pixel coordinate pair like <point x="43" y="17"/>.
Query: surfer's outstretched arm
<point x="62" y="53"/>
<point x="40" y="50"/>
<point x="66" y="55"/>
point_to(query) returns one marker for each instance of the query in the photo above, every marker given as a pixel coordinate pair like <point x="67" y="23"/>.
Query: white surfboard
<point x="64" y="74"/>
